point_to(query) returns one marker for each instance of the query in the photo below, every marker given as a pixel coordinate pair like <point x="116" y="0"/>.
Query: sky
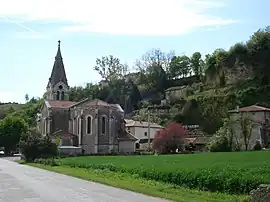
<point x="90" y="29"/>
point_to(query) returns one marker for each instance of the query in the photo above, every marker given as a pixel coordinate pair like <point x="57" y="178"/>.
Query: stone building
<point x="258" y="117"/>
<point x="93" y="125"/>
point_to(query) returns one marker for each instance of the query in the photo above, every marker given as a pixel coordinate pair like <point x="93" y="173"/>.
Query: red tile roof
<point x="253" y="108"/>
<point x="60" y="104"/>
<point x="97" y="102"/>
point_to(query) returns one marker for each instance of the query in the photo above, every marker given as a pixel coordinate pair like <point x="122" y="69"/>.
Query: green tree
<point x="196" y="62"/>
<point x="258" y="47"/>
<point x="11" y="130"/>
<point x="154" y="68"/>
<point x="180" y="66"/>
<point x="246" y="125"/>
<point x="26" y="97"/>
<point x="110" y="68"/>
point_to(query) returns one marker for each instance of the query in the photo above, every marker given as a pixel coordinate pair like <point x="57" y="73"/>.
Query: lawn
<point x="148" y="187"/>
<point x="234" y="173"/>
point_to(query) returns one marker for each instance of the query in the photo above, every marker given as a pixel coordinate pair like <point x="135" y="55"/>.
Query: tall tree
<point x="26" y="97"/>
<point x="246" y="125"/>
<point x="195" y="63"/>
<point x="180" y="66"/>
<point x="155" y="57"/>
<point x="153" y="67"/>
<point x="11" y="130"/>
<point x="110" y="68"/>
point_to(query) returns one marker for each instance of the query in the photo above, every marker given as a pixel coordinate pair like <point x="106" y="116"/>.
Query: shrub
<point x="219" y="144"/>
<point x="257" y="146"/>
<point x="50" y="162"/>
<point x="34" y="147"/>
<point x="169" y="139"/>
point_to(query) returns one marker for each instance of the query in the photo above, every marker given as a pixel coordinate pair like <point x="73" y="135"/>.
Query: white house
<point x="139" y="129"/>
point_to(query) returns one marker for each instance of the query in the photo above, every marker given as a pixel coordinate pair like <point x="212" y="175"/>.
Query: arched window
<point x="103" y="125"/>
<point x="89" y="125"/>
<point x="62" y="95"/>
<point x="58" y="95"/>
<point x="78" y="126"/>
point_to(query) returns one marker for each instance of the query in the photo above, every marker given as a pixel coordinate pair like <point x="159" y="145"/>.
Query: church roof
<point x="95" y="102"/>
<point x="64" y="104"/>
<point x="58" y="72"/>
<point x="98" y="102"/>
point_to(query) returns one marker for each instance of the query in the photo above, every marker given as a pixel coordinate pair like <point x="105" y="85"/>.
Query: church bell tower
<point x="57" y="88"/>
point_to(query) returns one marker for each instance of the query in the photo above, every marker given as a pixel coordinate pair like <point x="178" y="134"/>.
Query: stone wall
<point x="261" y="194"/>
<point x="238" y="73"/>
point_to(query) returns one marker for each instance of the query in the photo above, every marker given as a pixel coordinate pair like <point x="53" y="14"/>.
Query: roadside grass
<point x="140" y="185"/>
<point x="233" y="172"/>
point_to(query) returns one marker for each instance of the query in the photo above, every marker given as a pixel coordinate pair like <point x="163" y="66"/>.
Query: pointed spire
<point x="58" y="72"/>
<point x="58" y="54"/>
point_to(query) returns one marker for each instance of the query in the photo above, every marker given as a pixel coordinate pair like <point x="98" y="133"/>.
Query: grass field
<point x="235" y="173"/>
<point x="148" y="187"/>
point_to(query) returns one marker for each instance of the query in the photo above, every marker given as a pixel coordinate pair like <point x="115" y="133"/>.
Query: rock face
<point x="261" y="194"/>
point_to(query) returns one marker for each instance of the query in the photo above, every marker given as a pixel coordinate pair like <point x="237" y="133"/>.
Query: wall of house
<point x="126" y="146"/>
<point x="60" y="120"/>
<point x="256" y="131"/>
<point x="142" y="132"/>
<point x="96" y="141"/>
<point x="175" y="93"/>
<point x="43" y="122"/>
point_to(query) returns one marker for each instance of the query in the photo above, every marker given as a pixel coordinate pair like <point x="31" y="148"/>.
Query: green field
<point x="234" y="173"/>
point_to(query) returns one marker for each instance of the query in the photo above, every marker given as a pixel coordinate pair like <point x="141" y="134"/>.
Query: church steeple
<point x="57" y="88"/>
<point x="58" y="54"/>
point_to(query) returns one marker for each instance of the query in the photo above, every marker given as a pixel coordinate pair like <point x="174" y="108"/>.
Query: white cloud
<point x="130" y="17"/>
<point x="31" y="35"/>
<point x="28" y="32"/>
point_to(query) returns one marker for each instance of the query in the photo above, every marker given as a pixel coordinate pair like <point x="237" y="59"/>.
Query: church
<point x="94" y="126"/>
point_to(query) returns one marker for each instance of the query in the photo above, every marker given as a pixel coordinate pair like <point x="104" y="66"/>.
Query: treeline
<point x="157" y="71"/>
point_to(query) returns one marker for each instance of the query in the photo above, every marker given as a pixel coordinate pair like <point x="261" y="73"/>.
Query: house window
<point x="103" y="125"/>
<point x="89" y="125"/>
<point x="145" y="134"/>
<point x="73" y="127"/>
<point x="62" y="95"/>
<point x="58" y="95"/>
<point x="45" y="127"/>
<point x="78" y="126"/>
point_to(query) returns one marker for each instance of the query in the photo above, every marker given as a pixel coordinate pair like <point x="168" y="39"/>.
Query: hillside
<point x="6" y="108"/>
<point x="191" y="90"/>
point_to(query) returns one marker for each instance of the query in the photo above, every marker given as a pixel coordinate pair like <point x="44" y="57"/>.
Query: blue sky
<point x="126" y="29"/>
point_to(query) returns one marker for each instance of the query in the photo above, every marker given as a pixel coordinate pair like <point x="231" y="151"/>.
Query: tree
<point x="155" y="57"/>
<point x="154" y="68"/>
<point x="110" y="68"/>
<point x="258" y="48"/>
<point x="26" y="97"/>
<point x="223" y="139"/>
<point x="170" y="139"/>
<point x="246" y="125"/>
<point x="195" y="63"/>
<point x="34" y="146"/>
<point x="180" y="66"/>
<point x="11" y="130"/>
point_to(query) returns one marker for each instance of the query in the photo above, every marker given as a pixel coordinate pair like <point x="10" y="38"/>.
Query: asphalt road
<point x="22" y="183"/>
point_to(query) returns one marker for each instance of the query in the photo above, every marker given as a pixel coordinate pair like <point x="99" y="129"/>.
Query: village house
<point x="93" y="126"/>
<point x="259" y="121"/>
<point x="140" y="130"/>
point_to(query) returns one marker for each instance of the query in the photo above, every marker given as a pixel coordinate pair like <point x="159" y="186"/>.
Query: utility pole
<point x="149" y="147"/>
